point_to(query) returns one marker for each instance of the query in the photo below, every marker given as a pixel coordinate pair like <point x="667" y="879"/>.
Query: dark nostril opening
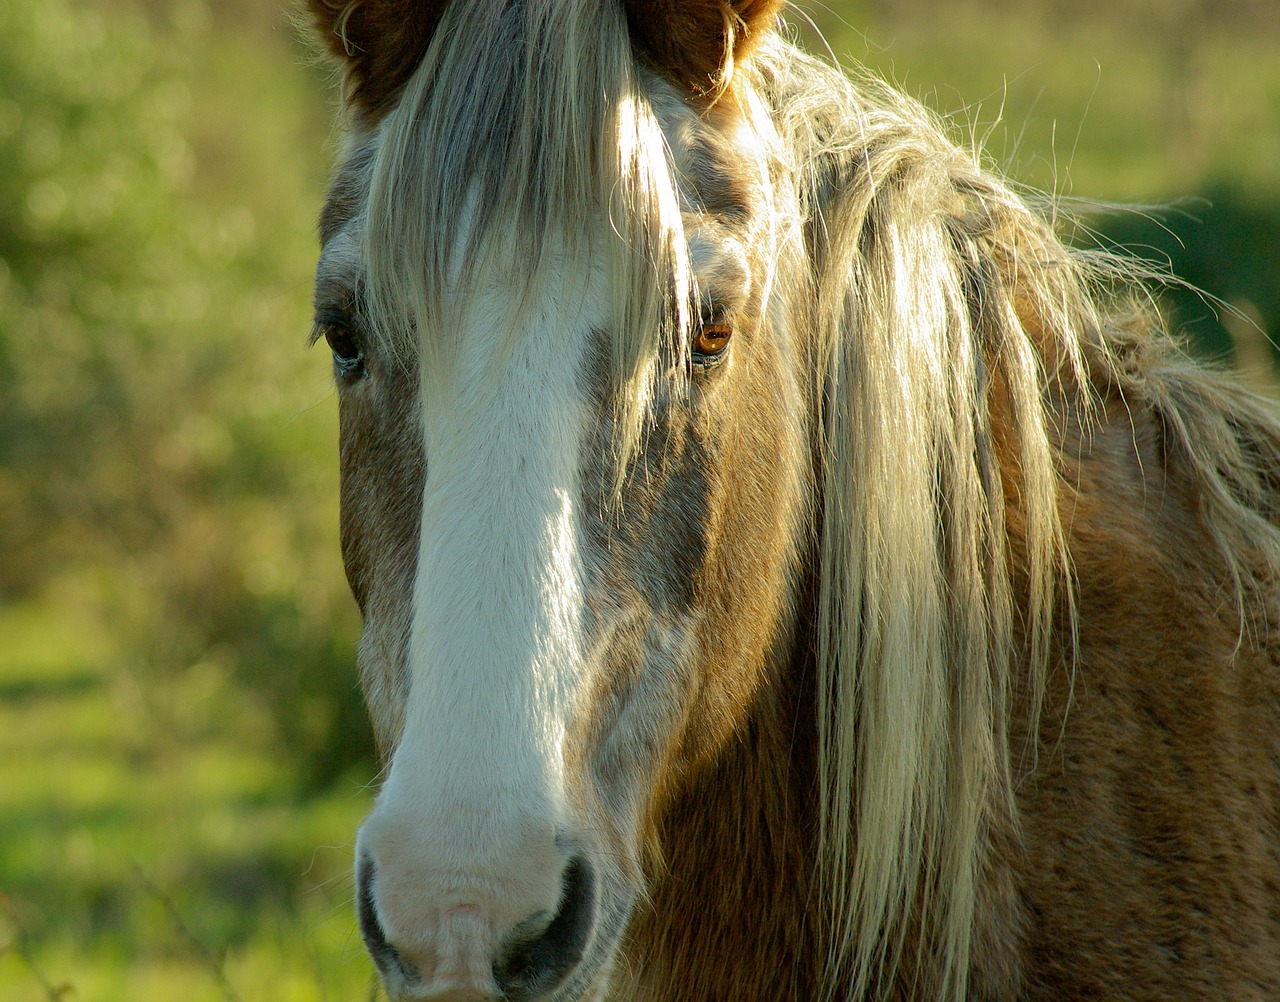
<point x="386" y="956"/>
<point x="539" y="958"/>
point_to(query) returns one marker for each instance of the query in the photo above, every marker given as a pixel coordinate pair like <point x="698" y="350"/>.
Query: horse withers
<point x="788" y="571"/>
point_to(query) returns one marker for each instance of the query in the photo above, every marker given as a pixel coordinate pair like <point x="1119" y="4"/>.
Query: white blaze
<point x="467" y="821"/>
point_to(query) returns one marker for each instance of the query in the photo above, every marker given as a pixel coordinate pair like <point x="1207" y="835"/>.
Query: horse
<point x="789" y="571"/>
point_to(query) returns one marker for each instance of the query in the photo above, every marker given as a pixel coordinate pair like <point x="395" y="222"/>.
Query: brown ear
<point x="697" y="42"/>
<point x="380" y="41"/>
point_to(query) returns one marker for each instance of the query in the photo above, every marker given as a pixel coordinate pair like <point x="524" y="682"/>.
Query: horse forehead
<point x="716" y="154"/>
<point x="349" y="188"/>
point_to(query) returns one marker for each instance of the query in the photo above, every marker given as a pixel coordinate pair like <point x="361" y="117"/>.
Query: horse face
<point x="548" y="657"/>
<point x="547" y="661"/>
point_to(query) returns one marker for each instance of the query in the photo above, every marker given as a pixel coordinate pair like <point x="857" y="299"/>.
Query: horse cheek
<point x="382" y="473"/>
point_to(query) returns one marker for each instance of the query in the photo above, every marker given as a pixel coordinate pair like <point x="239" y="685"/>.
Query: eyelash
<point x="348" y="355"/>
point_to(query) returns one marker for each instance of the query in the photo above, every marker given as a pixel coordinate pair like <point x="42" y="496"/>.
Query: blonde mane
<point x="925" y="267"/>
<point x="942" y="298"/>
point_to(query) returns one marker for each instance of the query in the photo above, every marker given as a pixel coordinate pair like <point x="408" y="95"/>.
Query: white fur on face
<point x="472" y="817"/>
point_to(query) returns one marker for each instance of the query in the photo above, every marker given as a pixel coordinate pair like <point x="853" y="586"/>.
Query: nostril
<point x="386" y="956"/>
<point x="537" y="959"/>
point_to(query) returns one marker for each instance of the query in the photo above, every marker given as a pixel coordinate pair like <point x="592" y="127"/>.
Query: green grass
<point x="149" y="855"/>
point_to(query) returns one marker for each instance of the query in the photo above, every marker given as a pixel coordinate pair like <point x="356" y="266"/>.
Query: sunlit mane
<point x="522" y="122"/>
<point x="946" y="307"/>
<point x="919" y="290"/>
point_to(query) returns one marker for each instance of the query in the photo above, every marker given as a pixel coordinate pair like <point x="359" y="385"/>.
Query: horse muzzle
<point x="451" y="938"/>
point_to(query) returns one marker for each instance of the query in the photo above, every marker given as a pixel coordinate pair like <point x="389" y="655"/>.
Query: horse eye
<point x="347" y="355"/>
<point x="711" y="340"/>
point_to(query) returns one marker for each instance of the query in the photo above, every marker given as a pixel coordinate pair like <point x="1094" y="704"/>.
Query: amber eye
<point x="711" y="340"/>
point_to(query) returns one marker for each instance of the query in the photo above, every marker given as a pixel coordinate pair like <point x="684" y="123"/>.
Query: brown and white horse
<point x="788" y="572"/>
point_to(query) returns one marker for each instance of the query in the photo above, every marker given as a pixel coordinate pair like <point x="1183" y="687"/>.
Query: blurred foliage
<point x="180" y="731"/>
<point x="158" y="443"/>
<point x="177" y="677"/>
<point x="1225" y="242"/>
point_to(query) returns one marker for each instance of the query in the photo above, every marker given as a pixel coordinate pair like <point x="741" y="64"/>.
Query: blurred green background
<point x="183" y="755"/>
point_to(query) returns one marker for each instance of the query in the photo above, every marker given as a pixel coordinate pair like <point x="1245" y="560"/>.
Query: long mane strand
<point x="926" y="268"/>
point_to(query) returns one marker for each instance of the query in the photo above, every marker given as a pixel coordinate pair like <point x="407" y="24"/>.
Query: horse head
<point x="562" y="283"/>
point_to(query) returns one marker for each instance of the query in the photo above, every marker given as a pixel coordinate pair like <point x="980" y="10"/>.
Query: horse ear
<point x="381" y="42"/>
<point x="698" y="42"/>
